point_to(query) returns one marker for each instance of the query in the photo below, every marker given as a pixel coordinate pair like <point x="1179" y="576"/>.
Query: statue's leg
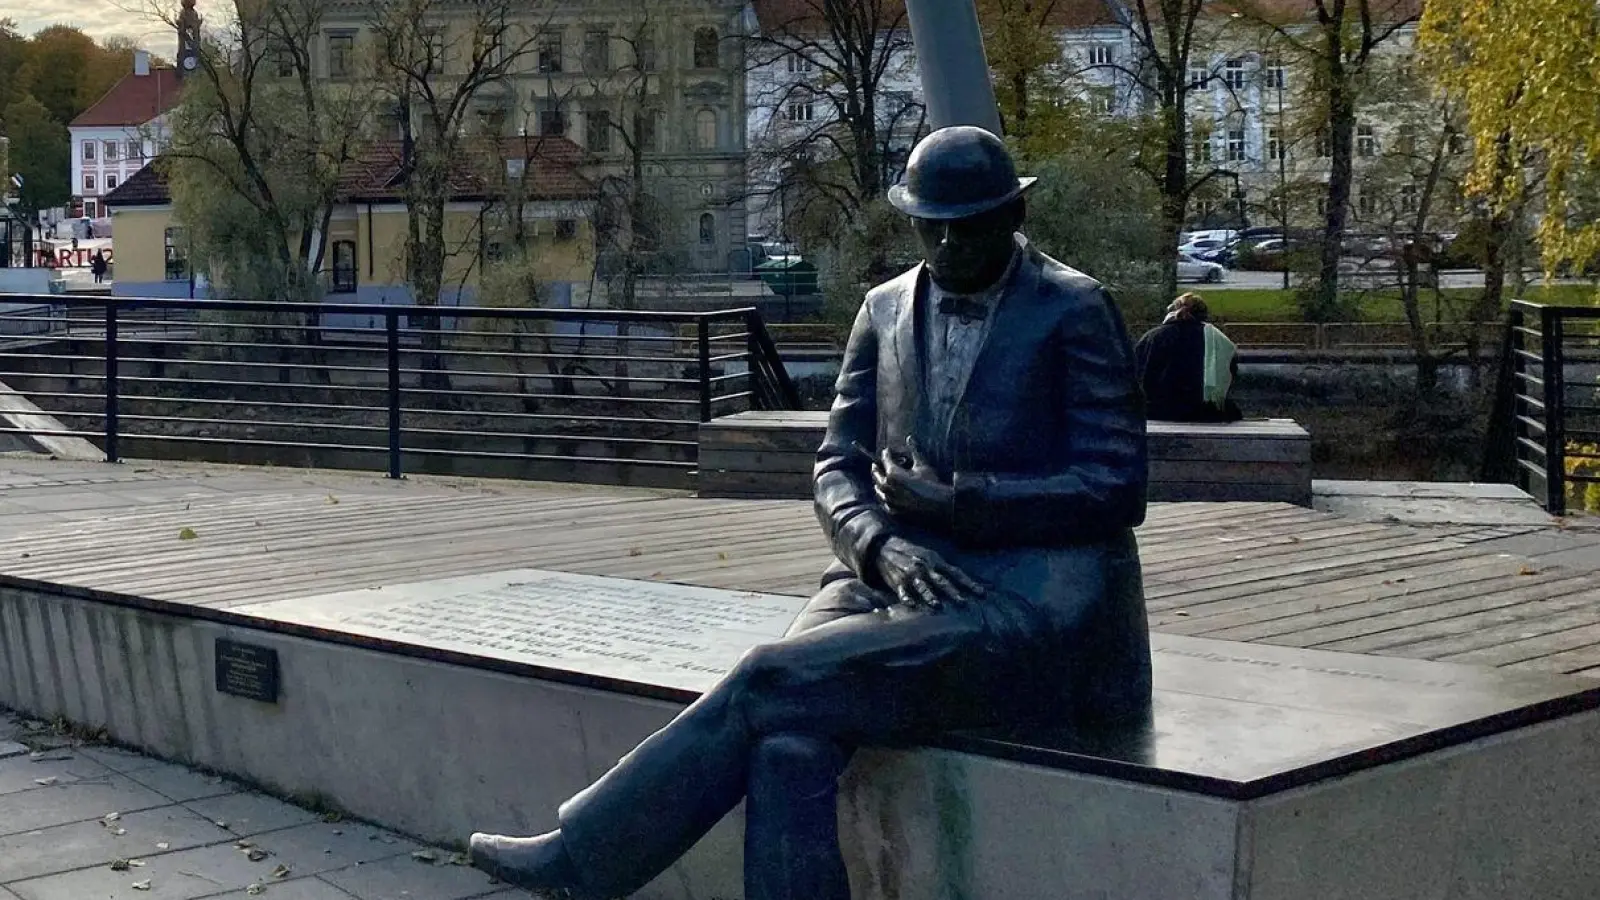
<point x="791" y="824"/>
<point x="872" y="676"/>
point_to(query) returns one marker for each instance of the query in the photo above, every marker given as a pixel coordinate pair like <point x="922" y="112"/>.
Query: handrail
<point x="1540" y="415"/>
<point x="461" y="382"/>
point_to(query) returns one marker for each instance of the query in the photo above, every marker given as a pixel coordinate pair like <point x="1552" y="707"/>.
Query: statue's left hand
<point x="911" y="489"/>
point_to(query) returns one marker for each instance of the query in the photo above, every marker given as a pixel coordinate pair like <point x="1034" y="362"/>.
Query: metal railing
<point x="1547" y="412"/>
<point x="556" y="394"/>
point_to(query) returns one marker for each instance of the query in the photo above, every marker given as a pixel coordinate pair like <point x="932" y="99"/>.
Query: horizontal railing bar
<point x="1532" y="444"/>
<point x="1534" y="357"/>
<point x="1530" y="400"/>
<point x="125" y="304"/>
<point x="518" y="436"/>
<point x="543" y="457"/>
<point x="1533" y="467"/>
<point x="739" y="396"/>
<point x="251" y="442"/>
<point x="252" y="364"/>
<point x="1530" y="378"/>
<point x="443" y="392"/>
<point x="553" y="417"/>
<point x="1531" y="423"/>
<point x="730" y="357"/>
<point x="729" y="376"/>
<point x="280" y="385"/>
<point x="258" y="423"/>
<point x="631" y="379"/>
<point x="50" y="432"/>
<point x="85" y="375"/>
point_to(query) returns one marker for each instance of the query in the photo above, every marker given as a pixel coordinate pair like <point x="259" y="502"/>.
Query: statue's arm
<point x="1099" y="487"/>
<point x="853" y="519"/>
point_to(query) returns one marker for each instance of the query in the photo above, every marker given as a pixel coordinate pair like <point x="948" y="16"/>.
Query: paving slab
<point x="187" y="835"/>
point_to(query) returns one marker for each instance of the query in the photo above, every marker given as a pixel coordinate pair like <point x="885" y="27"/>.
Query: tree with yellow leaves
<point x="1529" y="72"/>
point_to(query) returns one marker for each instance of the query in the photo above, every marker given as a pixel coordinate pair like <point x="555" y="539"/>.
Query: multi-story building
<point x="120" y="133"/>
<point x="587" y="72"/>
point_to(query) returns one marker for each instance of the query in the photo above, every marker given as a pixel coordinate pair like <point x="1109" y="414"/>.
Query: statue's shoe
<point x="538" y="864"/>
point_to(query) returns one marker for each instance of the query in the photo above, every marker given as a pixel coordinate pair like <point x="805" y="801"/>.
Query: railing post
<point x="111" y="386"/>
<point x="752" y="342"/>
<point x="391" y="321"/>
<point x="705" y="367"/>
<point x="1555" y="439"/>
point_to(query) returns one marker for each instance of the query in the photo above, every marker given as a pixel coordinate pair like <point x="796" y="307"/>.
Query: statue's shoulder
<point x="1072" y="287"/>
<point x="885" y="299"/>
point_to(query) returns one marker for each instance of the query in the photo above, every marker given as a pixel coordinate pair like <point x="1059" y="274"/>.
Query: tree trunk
<point x="1341" y="133"/>
<point x="1174" y="185"/>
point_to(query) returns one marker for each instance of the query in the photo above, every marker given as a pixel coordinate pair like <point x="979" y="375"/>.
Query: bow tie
<point x="968" y="309"/>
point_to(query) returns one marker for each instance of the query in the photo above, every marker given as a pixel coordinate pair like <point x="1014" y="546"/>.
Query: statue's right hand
<point x="921" y="578"/>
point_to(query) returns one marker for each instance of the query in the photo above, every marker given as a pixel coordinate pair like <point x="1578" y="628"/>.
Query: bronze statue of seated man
<point x="983" y="469"/>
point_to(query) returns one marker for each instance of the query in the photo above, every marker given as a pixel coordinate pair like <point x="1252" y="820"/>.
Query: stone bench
<point x="481" y="702"/>
<point x="769" y="455"/>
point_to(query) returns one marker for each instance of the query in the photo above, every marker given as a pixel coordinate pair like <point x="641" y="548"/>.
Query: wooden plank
<point x="787" y="441"/>
<point x="786" y="485"/>
<point x="1254" y="428"/>
<point x="1167" y="471"/>
<point x="1528" y="651"/>
<point x="774" y="461"/>
<point x="1192" y="491"/>
<point x="1187" y="447"/>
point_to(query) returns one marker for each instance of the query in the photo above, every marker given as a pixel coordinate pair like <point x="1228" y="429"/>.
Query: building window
<point x="705" y="48"/>
<point x="111" y="183"/>
<point x="344" y="267"/>
<point x="549" y="51"/>
<point x="1275" y="148"/>
<point x="1101" y="55"/>
<point x="566" y="229"/>
<point x="1102" y="101"/>
<point x="1366" y="141"/>
<point x="1236" y="145"/>
<point x="1277" y="76"/>
<point x="800" y="111"/>
<point x="649" y="136"/>
<point x="597" y="130"/>
<point x="1405" y="140"/>
<point x="88" y="151"/>
<point x="644" y="53"/>
<point x="136" y="151"/>
<point x="1408" y="198"/>
<point x="1200" y="142"/>
<point x="1233" y="74"/>
<point x="708" y="229"/>
<point x="798" y="64"/>
<point x="1205" y="209"/>
<point x="89" y="184"/>
<point x="705" y="130"/>
<point x="1367" y="203"/>
<point x="597" y="51"/>
<point x="492" y="120"/>
<point x="177" y="254"/>
<point x="341" y="55"/>
<point x="111" y="151"/>
<point x="1199" y="76"/>
<point x="1322" y="206"/>
<point x="552" y="123"/>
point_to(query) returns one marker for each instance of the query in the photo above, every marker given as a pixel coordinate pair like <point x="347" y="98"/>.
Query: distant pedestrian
<point x="98" y="266"/>
<point x="1187" y="366"/>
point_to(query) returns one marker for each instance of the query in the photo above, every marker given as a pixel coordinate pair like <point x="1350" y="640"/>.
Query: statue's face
<point x="968" y="255"/>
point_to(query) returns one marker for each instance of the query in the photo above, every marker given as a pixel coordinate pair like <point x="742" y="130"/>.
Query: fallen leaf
<point x="1527" y="570"/>
<point x="427" y="856"/>
<point x="136" y="863"/>
<point x="46" y="782"/>
<point x="282" y="871"/>
<point x="186" y="534"/>
<point x="119" y="832"/>
<point x="110" y="817"/>
<point x="220" y="824"/>
<point x="338" y="831"/>
<point x="141" y="885"/>
<point x="1182" y="614"/>
<point x="119" y="865"/>
<point x="460" y="859"/>
<point x="332" y="500"/>
<point x="722" y="556"/>
<point x="255" y="889"/>
<point x="162" y="845"/>
<point x="635" y="551"/>
<point x="256" y="854"/>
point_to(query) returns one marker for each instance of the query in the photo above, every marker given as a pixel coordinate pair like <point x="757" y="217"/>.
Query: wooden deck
<point x="1262" y="572"/>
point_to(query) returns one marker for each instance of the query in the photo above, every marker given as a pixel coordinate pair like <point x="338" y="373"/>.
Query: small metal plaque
<point x="247" y="670"/>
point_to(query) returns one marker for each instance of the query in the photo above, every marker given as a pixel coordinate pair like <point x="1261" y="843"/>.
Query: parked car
<point x="1192" y="269"/>
<point x="1199" y="248"/>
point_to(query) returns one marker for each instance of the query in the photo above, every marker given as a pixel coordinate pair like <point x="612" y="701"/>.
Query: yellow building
<point x="366" y="257"/>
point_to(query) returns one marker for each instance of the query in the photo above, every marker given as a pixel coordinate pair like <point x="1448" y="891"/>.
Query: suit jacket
<point x="1046" y="445"/>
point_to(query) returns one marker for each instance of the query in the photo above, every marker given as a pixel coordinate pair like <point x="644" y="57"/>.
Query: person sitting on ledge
<point x="983" y="469"/>
<point x="1187" y="366"/>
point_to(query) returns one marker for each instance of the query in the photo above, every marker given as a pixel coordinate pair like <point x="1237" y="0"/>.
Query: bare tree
<point x="833" y="113"/>
<point x="1337" y="43"/>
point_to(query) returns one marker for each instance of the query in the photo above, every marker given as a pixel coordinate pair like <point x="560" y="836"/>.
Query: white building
<point x="120" y="133"/>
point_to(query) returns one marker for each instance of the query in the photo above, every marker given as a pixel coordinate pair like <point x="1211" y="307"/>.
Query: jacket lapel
<point x="1019" y="282"/>
<point x="909" y="360"/>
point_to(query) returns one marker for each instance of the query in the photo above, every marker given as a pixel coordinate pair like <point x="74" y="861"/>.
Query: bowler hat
<point x="958" y="172"/>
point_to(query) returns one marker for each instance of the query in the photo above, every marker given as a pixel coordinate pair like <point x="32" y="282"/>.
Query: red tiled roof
<point x="801" y="16"/>
<point x="553" y="164"/>
<point x="134" y="100"/>
<point x="146" y="187"/>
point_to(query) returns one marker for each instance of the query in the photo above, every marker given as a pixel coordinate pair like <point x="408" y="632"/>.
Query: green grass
<point x="1270" y="305"/>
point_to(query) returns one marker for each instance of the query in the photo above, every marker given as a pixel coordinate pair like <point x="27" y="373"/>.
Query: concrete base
<point x="1269" y="774"/>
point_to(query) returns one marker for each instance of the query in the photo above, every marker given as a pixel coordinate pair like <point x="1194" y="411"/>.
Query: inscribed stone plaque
<point x="247" y="670"/>
<point x="661" y="634"/>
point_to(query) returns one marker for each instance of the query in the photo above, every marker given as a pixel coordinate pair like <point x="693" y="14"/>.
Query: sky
<point x="97" y="18"/>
